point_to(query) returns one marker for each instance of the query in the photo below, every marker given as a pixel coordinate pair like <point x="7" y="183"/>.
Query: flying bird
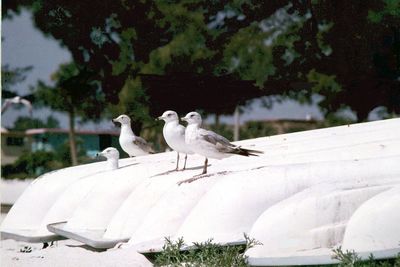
<point x="17" y="100"/>
<point x="112" y="156"/>
<point x="209" y="144"/>
<point x="133" y="145"/>
<point x="174" y="135"/>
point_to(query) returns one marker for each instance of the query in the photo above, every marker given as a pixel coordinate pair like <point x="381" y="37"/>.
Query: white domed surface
<point x="376" y="224"/>
<point x="308" y="193"/>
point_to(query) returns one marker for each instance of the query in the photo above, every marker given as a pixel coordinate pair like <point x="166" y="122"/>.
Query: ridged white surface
<point x="309" y="192"/>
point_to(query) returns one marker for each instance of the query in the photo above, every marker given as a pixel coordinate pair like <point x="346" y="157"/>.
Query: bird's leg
<point x="205" y="166"/>
<point x="177" y="161"/>
<point x="198" y="176"/>
<point x="184" y="165"/>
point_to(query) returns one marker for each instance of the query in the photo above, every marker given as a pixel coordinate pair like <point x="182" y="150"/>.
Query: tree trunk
<point x="236" y="127"/>
<point x="72" y="140"/>
<point x="216" y="120"/>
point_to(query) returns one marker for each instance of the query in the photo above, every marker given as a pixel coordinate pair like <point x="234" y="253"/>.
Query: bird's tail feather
<point x="246" y="152"/>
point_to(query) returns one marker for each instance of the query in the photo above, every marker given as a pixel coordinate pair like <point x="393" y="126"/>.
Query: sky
<point x="23" y="45"/>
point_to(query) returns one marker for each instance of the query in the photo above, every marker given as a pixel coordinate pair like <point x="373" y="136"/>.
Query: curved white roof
<point x="308" y="193"/>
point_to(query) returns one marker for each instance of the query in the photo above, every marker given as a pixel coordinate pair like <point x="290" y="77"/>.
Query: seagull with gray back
<point x="174" y="135"/>
<point x="209" y="144"/>
<point x="17" y="100"/>
<point x="133" y="145"/>
<point x="112" y="156"/>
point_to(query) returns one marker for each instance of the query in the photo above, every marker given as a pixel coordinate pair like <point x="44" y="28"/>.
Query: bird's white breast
<point x="126" y="139"/>
<point x="174" y="135"/>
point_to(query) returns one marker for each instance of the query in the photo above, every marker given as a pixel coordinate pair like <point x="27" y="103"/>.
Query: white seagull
<point x="210" y="144"/>
<point x="133" y="145"/>
<point x="15" y="101"/>
<point x="174" y="135"/>
<point x="112" y="156"/>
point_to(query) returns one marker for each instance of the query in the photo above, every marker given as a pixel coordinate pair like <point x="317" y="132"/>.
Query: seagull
<point x="210" y="144"/>
<point x="174" y="135"/>
<point x="112" y="156"/>
<point x="133" y="145"/>
<point x="16" y="100"/>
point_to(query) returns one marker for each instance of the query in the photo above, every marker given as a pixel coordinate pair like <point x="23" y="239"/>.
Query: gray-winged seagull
<point x="14" y="101"/>
<point x="210" y="144"/>
<point x="133" y="145"/>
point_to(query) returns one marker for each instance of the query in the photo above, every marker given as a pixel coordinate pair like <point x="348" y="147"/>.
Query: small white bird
<point x="174" y="135"/>
<point x="112" y="156"/>
<point x="15" y="101"/>
<point x="133" y="145"/>
<point x="210" y="144"/>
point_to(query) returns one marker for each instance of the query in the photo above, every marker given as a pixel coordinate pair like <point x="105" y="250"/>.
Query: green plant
<point x="352" y="259"/>
<point x="205" y="253"/>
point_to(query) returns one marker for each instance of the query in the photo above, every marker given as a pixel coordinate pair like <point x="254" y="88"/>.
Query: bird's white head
<point x="192" y="118"/>
<point x="123" y="119"/>
<point x="112" y="156"/>
<point x="109" y="153"/>
<point x="168" y="116"/>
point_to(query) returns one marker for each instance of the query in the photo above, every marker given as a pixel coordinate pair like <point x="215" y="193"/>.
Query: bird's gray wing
<point x="28" y="104"/>
<point x="6" y="104"/>
<point x="140" y="142"/>
<point x="221" y="142"/>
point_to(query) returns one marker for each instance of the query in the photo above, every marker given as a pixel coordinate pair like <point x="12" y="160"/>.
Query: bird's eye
<point x="192" y="115"/>
<point x="169" y="115"/>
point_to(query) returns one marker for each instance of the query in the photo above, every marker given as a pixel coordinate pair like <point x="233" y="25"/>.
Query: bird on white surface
<point x="174" y="135"/>
<point x="209" y="144"/>
<point x="133" y="145"/>
<point x="16" y="101"/>
<point x="112" y="156"/>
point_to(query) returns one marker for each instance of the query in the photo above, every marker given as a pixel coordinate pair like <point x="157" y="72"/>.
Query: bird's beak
<point x="115" y="122"/>
<point x="160" y="118"/>
<point x="98" y="154"/>
<point x="184" y="119"/>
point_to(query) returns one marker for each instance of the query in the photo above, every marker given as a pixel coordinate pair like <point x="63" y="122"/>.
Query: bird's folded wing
<point x="214" y="138"/>
<point x="140" y="142"/>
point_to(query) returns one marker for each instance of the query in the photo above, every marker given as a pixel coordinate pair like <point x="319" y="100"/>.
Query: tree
<point x="75" y="92"/>
<point x="11" y="76"/>
<point x="342" y="50"/>
<point x="25" y="123"/>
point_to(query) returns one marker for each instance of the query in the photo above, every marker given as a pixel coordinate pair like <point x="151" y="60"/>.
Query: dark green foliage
<point x="11" y="76"/>
<point x="291" y="48"/>
<point x="203" y="254"/>
<point x="31" y="165"/>
<point x="63" y="153"/>
<point x="336" y="120"/>
<point x="75" y="91"/>
<point x="25" y="123"/>
<point x="254" y="129"/>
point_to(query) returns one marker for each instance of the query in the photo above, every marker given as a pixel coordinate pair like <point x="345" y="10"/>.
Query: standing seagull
<point x="174" y="135"/>
<point x="133" y="145"/>
<point x="14" y="101"/>
<point x="210" y="144"/>
<point x="112" y="156"/>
